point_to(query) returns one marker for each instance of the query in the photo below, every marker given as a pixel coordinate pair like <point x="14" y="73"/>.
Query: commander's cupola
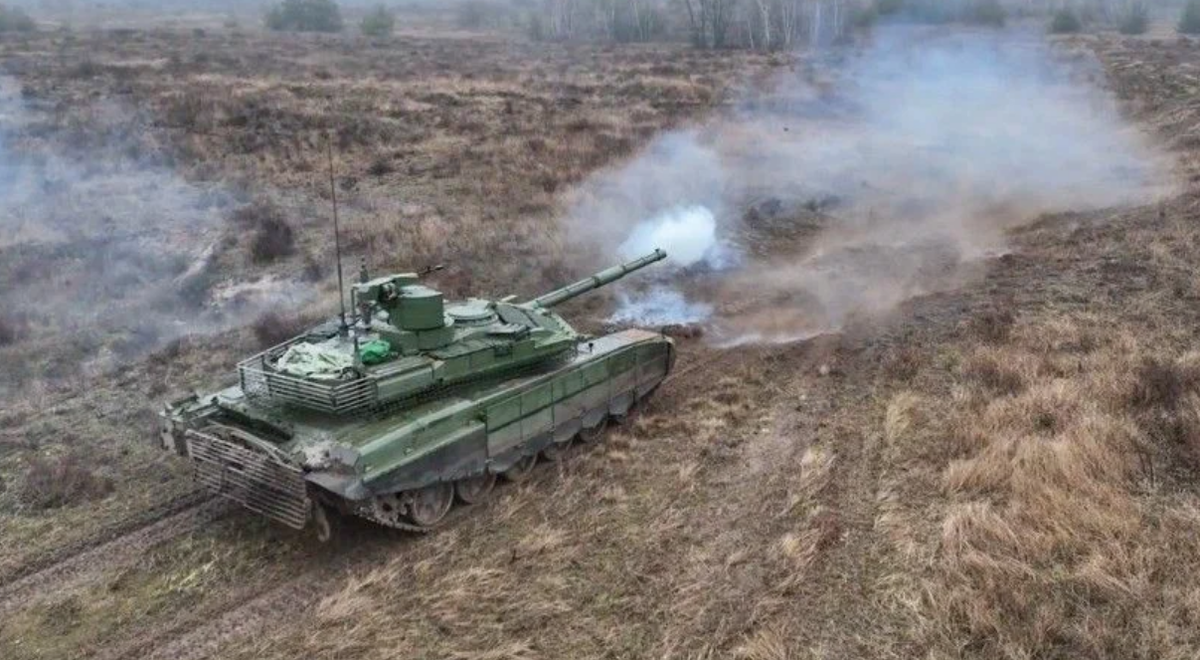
<point x="408" y="315"/>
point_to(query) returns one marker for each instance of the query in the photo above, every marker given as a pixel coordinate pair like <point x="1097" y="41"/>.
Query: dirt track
<point x="121" y="546"/>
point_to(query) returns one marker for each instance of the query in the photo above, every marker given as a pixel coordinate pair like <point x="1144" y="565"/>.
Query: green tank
<point x="412" y="403"/>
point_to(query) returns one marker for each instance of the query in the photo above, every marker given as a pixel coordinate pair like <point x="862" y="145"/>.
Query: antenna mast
<point x="337" y="238"/>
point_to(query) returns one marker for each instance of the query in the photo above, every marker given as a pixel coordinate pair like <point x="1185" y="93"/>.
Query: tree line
<point x="755" y="24"/>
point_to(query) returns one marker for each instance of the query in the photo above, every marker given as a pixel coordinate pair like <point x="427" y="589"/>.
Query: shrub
<point x="273" y="328"/>
<point x="934" y="12"/>
<point x="379" y="22"/>
<point x="11" y="331"/>
<point x="1135" y="20"/>
<point x="52" y="483"/>
<point x="1065" y="21"/>
<point x="273" y="236"/>
<point x="381" y="166"/>
<point x="999" y="378"/>
<point x="305" y="16"/>
<point x="1162" y="383"/>
<point x="475" y="14"/>
<point x="273" y="240"/>
<point x="986" y="12"/>
<point x="85" y="70"/>
<point x="1189" y="23"/>
<point x="865" y="17"/>
<point x="992" y="325"/>
<point x="536" y="28"/>
<point x="888" y="7"/>
<point x="14" y="19"/>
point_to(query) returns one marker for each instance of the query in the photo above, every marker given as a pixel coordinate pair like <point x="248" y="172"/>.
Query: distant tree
<point x="986" y="12"/>
<point x="305" y="16"/>
<point x="888" y="7"/>
<point x="379" y="22"/>
<point x="472" y="14"/>
<point x="536" y="28"/>
<point x="1189" y="23"/>
<point x="1136" y="19"/>
<point x="14" y="19"/>
<point x="709" y="21"/>
<point x="1065" y="21"/>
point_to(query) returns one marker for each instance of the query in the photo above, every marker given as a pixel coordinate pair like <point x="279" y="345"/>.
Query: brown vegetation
<point x="1005" y="471"/>
<point x="274" y="328"/>
<point x="54" y="482"/>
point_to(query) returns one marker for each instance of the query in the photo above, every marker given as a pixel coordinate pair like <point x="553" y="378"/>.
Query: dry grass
<point x="54" y="482"/>
<point x="1058" y="531"/>
<point x="1017" y="481"/>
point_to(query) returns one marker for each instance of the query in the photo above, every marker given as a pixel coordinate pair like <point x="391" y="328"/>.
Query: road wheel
<point x="630" y="415"/>
<point x="521" y="471"/>
<point x="590" y="436"/>
<point x="430" y="504"/>
<point x="474" y="490"/>
<point x="556" y="450"/>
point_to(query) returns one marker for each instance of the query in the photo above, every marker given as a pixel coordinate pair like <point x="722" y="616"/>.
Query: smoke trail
<point x="856" y="187"/>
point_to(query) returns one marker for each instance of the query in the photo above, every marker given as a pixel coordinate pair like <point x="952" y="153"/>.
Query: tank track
<point x="368" y="513"/>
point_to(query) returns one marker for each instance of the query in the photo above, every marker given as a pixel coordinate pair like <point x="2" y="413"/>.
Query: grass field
<point x="1002" y="468"/>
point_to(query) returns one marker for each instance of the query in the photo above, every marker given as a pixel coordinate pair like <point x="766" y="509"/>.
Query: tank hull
<point x="378" y="466"/>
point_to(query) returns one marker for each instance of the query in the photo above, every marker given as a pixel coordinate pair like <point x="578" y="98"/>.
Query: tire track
<point x="200" y="633"/>
<point x="121" y="546"/>
<point x="66" y="552"/>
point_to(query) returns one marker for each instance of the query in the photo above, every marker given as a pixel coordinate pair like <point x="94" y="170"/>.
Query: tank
<point x="411" y="403"/>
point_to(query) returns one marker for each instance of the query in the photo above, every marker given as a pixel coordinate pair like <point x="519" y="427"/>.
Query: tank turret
<point x="406" y="340"/>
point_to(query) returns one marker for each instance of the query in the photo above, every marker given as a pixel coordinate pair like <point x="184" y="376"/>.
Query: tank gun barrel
<point x="604" y="277"/>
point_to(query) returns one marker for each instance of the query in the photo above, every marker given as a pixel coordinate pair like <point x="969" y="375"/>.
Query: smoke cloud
<point x="687" y="233"/>
<point x="103" y="254"/>
<point x="852" y="186"/>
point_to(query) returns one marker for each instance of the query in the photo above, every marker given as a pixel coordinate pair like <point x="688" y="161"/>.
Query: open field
<point x="1004" y="466"/>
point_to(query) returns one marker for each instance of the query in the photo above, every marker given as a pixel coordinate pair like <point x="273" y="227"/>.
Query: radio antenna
<point x="337" y="239"/>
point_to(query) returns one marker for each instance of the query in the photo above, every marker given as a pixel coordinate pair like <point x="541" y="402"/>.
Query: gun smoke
<point x="850" y="187"/>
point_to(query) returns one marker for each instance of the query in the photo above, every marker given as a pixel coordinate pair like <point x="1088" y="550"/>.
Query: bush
<point x="864" y="18"/>
<point x="992" y="325"/>
<point x="536" y="28"/>
<point x="476" y="14"/>
<point x="273" y="236"/>
<point x="272" y="329"/>
<point x="52" y="483"/>
<point x="1065" y="21"/>
<point x="1189" y="23"/>
<point x="11" y="331"/>
<point x="273" y="240"/>
<point x="1135" y="20"/>
<point x="379" y="22"/>
<point x="887" y="7"/>
<point x="14" y="19"/>
<point x="986" y="12"/>
<point x="305" y="16"/>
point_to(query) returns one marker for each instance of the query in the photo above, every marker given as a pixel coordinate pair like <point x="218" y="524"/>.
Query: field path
<point x="122" y="545"/>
